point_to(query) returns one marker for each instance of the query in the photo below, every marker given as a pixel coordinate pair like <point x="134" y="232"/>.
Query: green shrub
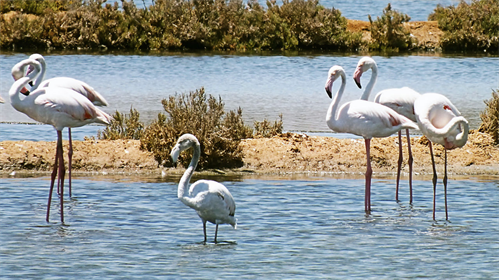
<point x="388" y="32"/>
<point x="266" y="129"/>
<point x="174" y="24"/>
<point x="203" y="116"/>
<point x="490" y="117"/>
<point x="123" y="126"/>
<point x="472" y="27"/>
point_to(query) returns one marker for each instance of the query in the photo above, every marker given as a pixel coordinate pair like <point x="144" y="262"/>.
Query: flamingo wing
<point x="76" y="85"/>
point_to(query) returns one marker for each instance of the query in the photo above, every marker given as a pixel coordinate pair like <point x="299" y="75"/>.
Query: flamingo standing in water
<point x="211" y="200"/>
<point x="442" y="123"/>
<point x="401" y="100"/>
<point x="59" y="107"/>
<point x="362" y="118"/>
<point x="62" y="82"/>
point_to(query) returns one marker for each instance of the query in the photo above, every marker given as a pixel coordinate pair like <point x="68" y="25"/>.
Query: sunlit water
<point x="264" y="86"/>
<point x="303" y="228"/>
<point x="418" y="10"/>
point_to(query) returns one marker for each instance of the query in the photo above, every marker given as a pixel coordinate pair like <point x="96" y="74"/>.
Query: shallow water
<point x="304" y="228"/>
<point x="262" y="85"/>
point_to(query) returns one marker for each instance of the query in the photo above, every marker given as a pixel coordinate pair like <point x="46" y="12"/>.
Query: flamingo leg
<point x="399" y="164"/>
<point x="52" y="181"/>
<point x="204" y="230"/>
<point x="70" y="158"/>
<point x="62" y="171"/>
<point x="410" y="161"/>
<point x="216" y="232"/>
<point x="434" y="179"/>
<point x="369" y="173"/>
<point x="445" y="186"/>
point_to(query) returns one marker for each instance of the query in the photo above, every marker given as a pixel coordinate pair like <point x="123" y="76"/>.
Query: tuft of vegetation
<point x="203" y="116"/>
<point x="388" y="32"/>
<point x="265" y="128"/>
<point x="490" y="117"/>
<point x="472" y="27"/>
<point x="123" y="126"/>
<point x="173" y="24"/>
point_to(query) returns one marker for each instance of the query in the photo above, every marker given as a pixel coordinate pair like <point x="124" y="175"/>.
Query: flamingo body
<point x="441" y="123"/>
<point x="363" y="118"/>
<point x="58" y="107"/>
<point x="211" y="200"/>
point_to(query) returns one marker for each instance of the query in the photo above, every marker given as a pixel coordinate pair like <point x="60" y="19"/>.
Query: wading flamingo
<point x="441" y="122"/>
<point x="401" y="100"/>
<point x="59" y="107"/>
<point x="62" y="82"/>
<point x="362" y="118"/>
<point x="211" y="200"/>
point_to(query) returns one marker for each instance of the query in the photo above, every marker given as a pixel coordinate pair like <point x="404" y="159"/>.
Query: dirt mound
<point x="288" y="153"/>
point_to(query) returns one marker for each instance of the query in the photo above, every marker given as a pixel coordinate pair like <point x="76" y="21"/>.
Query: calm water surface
<point x="303" y="228"/>
<point x="262" y="85"/>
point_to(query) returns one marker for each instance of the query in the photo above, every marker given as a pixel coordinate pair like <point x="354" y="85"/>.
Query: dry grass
<point x="490" y="117"/>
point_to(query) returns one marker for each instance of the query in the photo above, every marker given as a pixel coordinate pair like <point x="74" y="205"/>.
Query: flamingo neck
<point x="183" y="185"/>
<point x="333" y="107"/>
<point x="372" y="82"/>
<point x="14" y="92"/>
<point x="41" y="76"/>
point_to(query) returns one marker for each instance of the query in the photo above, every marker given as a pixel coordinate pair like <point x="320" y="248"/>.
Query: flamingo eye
<point x="447" y="107"/>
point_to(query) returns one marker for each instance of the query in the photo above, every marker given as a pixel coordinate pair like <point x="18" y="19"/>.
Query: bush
<point x="123" y="126"/>
<point x="174" y="24"/>
<point x="266" y="129"/>
<point x="490" y="117"/>
<point x="203" y="116"/>
<point x="388" y="32"/>
<point x="473" y="27"/>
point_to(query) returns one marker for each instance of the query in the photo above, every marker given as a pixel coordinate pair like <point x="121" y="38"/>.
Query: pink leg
<point x="399" y="164"/>
<point x="70" y="158"/>
<point x="410" y="163"/>
<point x="445" y="186"/>
<point x="434" y="179"/>
<point x="52" y="181"/>
<point x="62" y="171"/>
<point x="369" y="173"/>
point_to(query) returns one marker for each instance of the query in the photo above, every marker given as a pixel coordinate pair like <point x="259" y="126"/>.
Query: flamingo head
<point x="364" y="64"/>
<point x="17" y="73"/>
<point x="333" y="74"/>
<point x="185" y="142"/>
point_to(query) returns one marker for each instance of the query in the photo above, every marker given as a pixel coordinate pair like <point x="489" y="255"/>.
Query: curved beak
<point x="174" y="154"/>
<point x="356" y="76"/>
<point x="329" y="86"/>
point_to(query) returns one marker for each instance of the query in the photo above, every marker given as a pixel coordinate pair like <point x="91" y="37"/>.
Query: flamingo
<point x="401" y="100"/>
<point x="59" y="107"/>
<point x="211" y="200"/>
<point x="1" y="100"/>
<point x="63" y="82"/>
<point x="362" y="118"/>
<point x="442" y="123"/>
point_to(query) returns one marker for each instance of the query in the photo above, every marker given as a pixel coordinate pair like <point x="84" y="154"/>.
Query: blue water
<point x="306" y="228"/>
<point x="262" y="85"/>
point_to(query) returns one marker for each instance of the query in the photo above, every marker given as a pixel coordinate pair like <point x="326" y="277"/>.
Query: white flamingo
<point x="62" y="82"/>
<point x="211" y="200"/>
<point x="401" y="100"/>
<point x="363" y="118"/>
<point x="442" y="123"/>
<point x="59" y="107"/>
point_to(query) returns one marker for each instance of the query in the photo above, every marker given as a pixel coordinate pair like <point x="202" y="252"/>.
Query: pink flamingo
<point x="442" y="123"/>
<point x="62" y="82"/>
<point x="363" y="118"/>
<point x="59" y="107"/>
<point x="401" y="100"/>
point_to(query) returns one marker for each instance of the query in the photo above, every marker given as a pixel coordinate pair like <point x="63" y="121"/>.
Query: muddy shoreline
<point x="289" y="154"/>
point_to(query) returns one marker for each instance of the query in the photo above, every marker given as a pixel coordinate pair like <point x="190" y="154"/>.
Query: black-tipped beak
<point x="175" y="165"/>
<point x="357" y="82"/>
<point x="329" y="85"/>
<point x="30" y="83"/>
